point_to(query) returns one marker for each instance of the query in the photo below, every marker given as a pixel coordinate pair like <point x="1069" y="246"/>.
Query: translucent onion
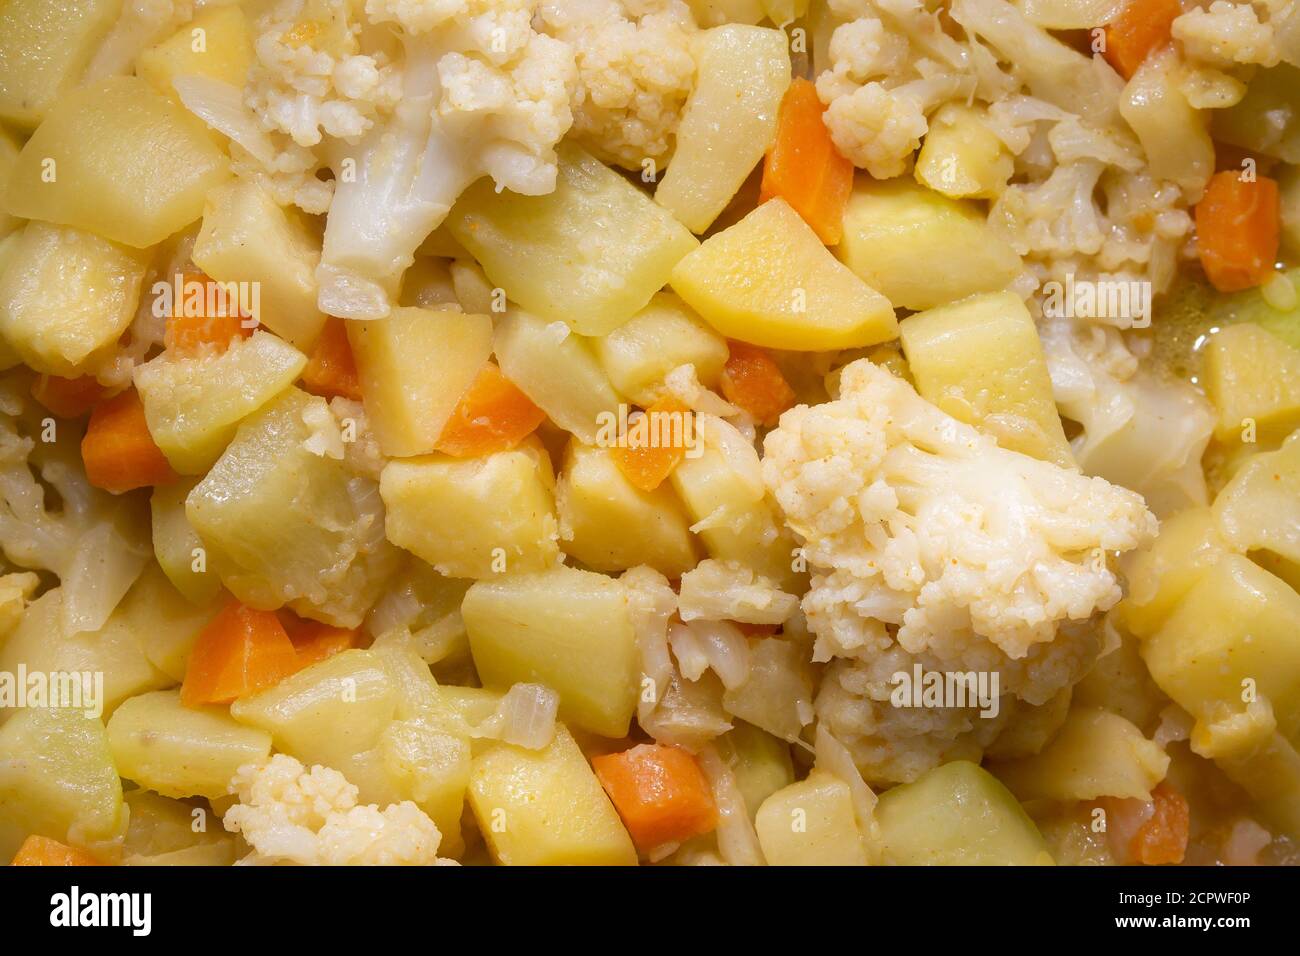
<point x="737" y="840"/>
<point x="525" y="717"/>
<point x="221" y="106"/>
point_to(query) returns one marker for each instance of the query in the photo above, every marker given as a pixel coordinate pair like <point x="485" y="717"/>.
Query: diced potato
<point x="565" y="628"/>
<point x="1160" y="575"/>
<point x="957" y="815"/>
<point x="1271" y="775"/>
<point x="1172" y="133"/>
<point x="961" y="157"/>
<point x="432" y="769"/>
<point x="194" y="404"/>
<point x="164" y="622"/>
<point x="919" y="248"/>
<point x="1228" y="655"/>
<point x="1251" y="374"/>
<point x="473" y="290"/>
<point x="181" y="751"/>
<point x="661" y="337"/>
<point x="1120" y="683"/>
<point x="428" y="284"/>
<point x="760" y="762"/>
<point x="474" y="517"/>
<point x="413" y="367"/>
<point x="1096" y="754"/>
<point x="591" y="253"/>
<point x="1267" y="120"/>
<point x="768" y="280"/>
<point x="558" y="371"/>
<point x="981" y="361"/>
<point x="546" y="808"/>
<point x="729" y="121"/>
<point x="167" y="832"/>
<point x="57" y="780"/>
<point x="811" y="823"/>
<point x="178" y="547"/>
<point x="778" y="692"/>
<point x="66" y="296"/>
<point x="9" y="147"/>
<point x="217" y="44"/>
<point x="1260" y="507"/>
<point x="610" y="525"/>
<point x="289" y="526"/>
<point x="44" y="47"/>
<point x="120" y="160"/>
<point x="246" y="237"/>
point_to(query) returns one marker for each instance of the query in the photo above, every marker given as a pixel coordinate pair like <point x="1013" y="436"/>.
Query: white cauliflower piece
<point x="730" y="591"/>
<point x="635" y="71"/>
<point x="289" y="814"/>
<point x="1226" y="33"/>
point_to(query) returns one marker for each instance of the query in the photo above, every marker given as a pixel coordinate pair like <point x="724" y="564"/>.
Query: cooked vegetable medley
<point x="789" y="432"/>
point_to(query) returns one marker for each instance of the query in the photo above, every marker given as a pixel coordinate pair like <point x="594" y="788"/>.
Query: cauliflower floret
<point x="635" y="70"/>
<point x="731" y="591"/>
<point x="1226" y="33"/>
<point x="289" y="814"/>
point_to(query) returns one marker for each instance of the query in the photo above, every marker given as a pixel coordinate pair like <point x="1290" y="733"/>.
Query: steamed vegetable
<point x="962" y="157"/>
<point x="1253" y="378"/>
<point x="811" y="823"/>
<point x="118" y="451"/>
<point x="217" y="43"/>
<point x="650" y="453"/>
<point x="45" y="46"/>
<point x="753" y="381"/>
<point x="239" y="652"/>
<point x="42" y="851"/>
<point x="1237" y="230"/>
<point x="492" y="415"/>
<point x="659" y="792"/>
<point x="1141" y="27"/>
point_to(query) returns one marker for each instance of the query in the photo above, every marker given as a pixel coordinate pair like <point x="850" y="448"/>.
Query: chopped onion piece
<point x="737" y="839"/>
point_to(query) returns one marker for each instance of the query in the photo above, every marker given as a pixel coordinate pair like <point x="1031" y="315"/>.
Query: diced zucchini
<point x="180" y="751"/>
<point x="981" y="361"/>
<point x="591" y="253"/>
<point x="558" y="371"/>
<point x="66" y="296"/>
<point x="194" y="404"/>
<point x="217" y="44"/>
<point x="1260" y="507"/>
<point x="178" y="547"/>
<point x="919" y="248"/>
<point x="118" y="159"/>
<point x="1172" y="132"/>
<point x="1252" y="376"/>
<point x="610" y="525"/>
<point x="760" y="762"/>
<point x="546" y="808"/>
<point x="290" y="526"/>
<point x="413" y="367"/>
<point x="1267" y="120"/>
<point x="661" y="337"/>
<point x="961" y="157"/>
<point x="247" y="237"/>
<point x="565" y="628"/>
<point x="811" y="823"/>
<point x="45" y="46"/>
<point x="164" y="622"/>
<point x="728" y="122"/>
<point x="957" y="815"/>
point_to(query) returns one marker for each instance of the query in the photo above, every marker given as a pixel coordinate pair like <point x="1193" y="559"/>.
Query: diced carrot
<point x="314" y="641"/>
<point x="655" y="444"/>
<point x="803" y="166"/>
<point x="1238" y="225"/>
<point x="42" y="851"/>
<point x="331" y="370"/>
<point x="752" y="380"/>
<point x="492" y="415"/>
<point x="118" y="451"/>
<point x="68" y="397"/>
<point x="1163" y="837"/>
<point x="660" y="792"/>
<point x="1141" y="27"/>
<point x="240" y="651"/>
<point x="189" y="331"/>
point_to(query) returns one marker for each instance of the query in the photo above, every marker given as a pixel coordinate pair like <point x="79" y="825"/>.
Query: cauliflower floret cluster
<point x="926" y="539"/>
<point x="289" y="814"/>
<point x="635" y="70"/>
<point x="1227" y="34"/>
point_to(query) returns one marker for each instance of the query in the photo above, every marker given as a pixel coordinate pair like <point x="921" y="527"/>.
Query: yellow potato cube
<point x="811" y="823"/>
<point x="177" y="546"/>
<point x="610" y="525"/>
<point x="1161" y="575"/>
<point x="474" y="517"/>
<point x="768" y="280"/>
<point x="413" y="367"/>
<point x="1172" y="132"/>
<point x="729" y="120"/>
<point x="217" y="44"/>
<point x="45" y="45"/>
<point x="66" y="296"/>
<point x="246" y="237"/>
<point x="1271" y="775"/>
<point x="118" y="159"/>
<point x="962" y="157"/>
<point x="919" y="248"/>
<point x="9" y="147"/>
<point x="546" y="808"/>
<point x="981" y="361"/>
<point x="163" y="621"/>
<point x="1260" y="507"/>
<point x="565" y="628"/>
<point x="1252" y="376"/>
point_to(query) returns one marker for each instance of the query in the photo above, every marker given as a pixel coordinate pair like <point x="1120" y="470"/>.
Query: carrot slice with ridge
<point x="239" y="652"/>
<point x="1163" y="837"/>
<point x="314" y="641"/>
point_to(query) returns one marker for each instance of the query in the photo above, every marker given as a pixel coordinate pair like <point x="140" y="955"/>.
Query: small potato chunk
<point x="1252" y="376"/>
<point x="413" y="367"/>
<point x="811" y="823"/>
<point x="981" y="361"/>
<point x="1173" y="134"/>
<point x="66" y="296"/>
<point x="610" y="525"/>
<point x="565" y="628"/>
<point x="181" y="751"/>
<point x="177" y="546"/>
<point x="217" y="44"/>
<point x="118" y="159"/>
<point x="1160" y="576"/>
<point x="474" y="517"/>
<point x="1260" y="507"/>
<point x="761" y="763"/>
<point x="1264" y="120"/>
<point x="164" y="622"/>
<point x="546" y="808"/>
<point x="246" y="237"/>
<point x="769" y="281"/>
<point x="9" y="147"/>
<point x="661" y="337"/>
<point x="45" y="46"/>
<point x="919" y="248"/>
<point x="728" y="122"/>
<point x="961" y="157"/>
<point x="591" y="253"/>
